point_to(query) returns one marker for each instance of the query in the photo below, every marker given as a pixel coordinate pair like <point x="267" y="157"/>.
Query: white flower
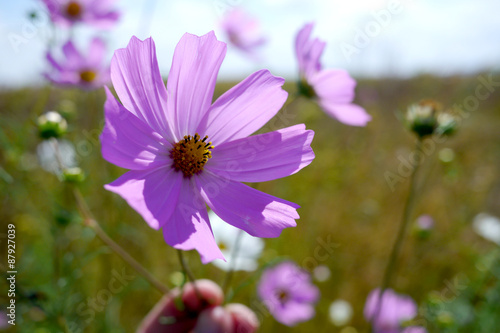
<point x="487" y="226"/>
<point x="340" y="312"/>
<point x="248" y="250"/>
<point x="48" y="159"/>
<point x="321" y="273"/>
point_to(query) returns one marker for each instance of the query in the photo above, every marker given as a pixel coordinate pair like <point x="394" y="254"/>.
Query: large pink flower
<point x="333" y="89"/>
<point x="98" y="13"/>
<point x="186" y="152"/>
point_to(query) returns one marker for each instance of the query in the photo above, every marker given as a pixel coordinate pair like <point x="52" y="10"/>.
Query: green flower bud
<point x="422" y="117"/>
<point x="51" y="125"/>
<point x="447" y="124"/>
<point x="73" y="175"/>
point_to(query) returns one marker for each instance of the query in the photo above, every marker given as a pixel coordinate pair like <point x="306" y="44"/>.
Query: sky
<point x="369" y="38"/>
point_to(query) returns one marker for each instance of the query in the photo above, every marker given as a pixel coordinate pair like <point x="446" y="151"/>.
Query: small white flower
<point x="48" y="159"/>
<point x="321" y="273"/>
<point x="340" y="312"/>
<point x="248" y="250"/>
<point x="487" y="226"/>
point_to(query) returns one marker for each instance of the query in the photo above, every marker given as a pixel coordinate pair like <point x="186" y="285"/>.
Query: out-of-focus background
<point x="443" y="51"/>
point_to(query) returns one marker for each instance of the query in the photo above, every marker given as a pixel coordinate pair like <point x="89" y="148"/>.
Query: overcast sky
<point x="442" y="37"/>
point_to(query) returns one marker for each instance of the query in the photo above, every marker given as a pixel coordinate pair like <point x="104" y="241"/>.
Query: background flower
<point x="394" y="310"/>
<point x="288" y="293"/>
<point x="340" y="312"/>
<point x="248" y="249"/>
<point x="333" y="89"/>
<point x="97" y="13"/>
<point x="82" y="71"/>
<point x="487" y="226"/>
<point x="243" y="31"/>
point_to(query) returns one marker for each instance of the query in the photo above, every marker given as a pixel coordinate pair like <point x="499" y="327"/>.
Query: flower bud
<point x="447" y="124"/>
<point x="51" y="125"/>
<point x="423" y="226"/>
<point x="73" y="175"/>
<point x="422" y="117"/>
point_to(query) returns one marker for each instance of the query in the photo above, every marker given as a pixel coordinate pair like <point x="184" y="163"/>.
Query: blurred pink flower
<point x="288" y="293"/>
<point x="98" y="13"/>
<point x="394" y="310"/>
<point x="243" y="31"/>
<point x="86" y="72"/>
<point x="185" y="152"/>
<point x="333" y="89"/>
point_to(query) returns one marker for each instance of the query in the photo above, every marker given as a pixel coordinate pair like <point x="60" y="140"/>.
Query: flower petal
<point x="191" y="81"/>
<point x="138" y="83"/>
<point x="128" y="142"/>
<point x="152" y="193"/>
<point x="293" y="313"/>
<point x="263" y="157"/>
<point x="97" y="51"/>
<point x="349" y="114"/>
<point x="245" y="108"/>
<point x="189" y="227"/>
<point x="255" y="212"/>
<point x="74" y="59"/>
<point x="300" y="44"/>
<point x="334" y="86"/>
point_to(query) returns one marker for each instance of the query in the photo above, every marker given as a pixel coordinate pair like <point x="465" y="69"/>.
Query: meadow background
<point x="344" y="196"/>
<point x="441" y="50"/>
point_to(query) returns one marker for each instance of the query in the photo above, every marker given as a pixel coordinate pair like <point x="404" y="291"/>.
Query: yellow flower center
<point x="73" y="9"/>
<point x="191" y="154"/>
<point x="87" y="76"/>
<point x="222" y="246"/>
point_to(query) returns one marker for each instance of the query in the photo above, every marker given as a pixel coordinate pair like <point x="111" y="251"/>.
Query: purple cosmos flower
<point x="185" y="152"/>
<point x="243" y="31"/>
<point x="333" y="89"/>
<point x="288" y="293"/>
<point x="98" y="13"/>
<point x="394" y="310"/>
<point x="86" y="72"/>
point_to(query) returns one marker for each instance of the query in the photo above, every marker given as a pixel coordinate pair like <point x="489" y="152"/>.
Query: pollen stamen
<point x="189" y="156"/>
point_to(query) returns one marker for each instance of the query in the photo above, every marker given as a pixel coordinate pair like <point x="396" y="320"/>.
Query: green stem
<point x="396" y="248"/>
<point x="188" y="273"/>
<point x="92" y="223"/>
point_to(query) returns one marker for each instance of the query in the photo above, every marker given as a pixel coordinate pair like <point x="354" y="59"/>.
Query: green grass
<point x="344" y="197"/>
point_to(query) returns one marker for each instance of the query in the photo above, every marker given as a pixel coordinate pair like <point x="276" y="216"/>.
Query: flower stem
<point x="234" y="254"/>
<point x="396" y="248"/>
<point x="188" y="273"/>
<point x="92" y="223"/>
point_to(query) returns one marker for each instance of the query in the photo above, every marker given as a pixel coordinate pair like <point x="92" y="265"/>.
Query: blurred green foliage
<point x="63" y="269"/>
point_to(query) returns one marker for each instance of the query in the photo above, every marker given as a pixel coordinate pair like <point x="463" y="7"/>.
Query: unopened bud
<point x="447" y="124"/>
<point x="422" y="117"/>
<point x="52" y="125"/>
<point x="73" y="175"/>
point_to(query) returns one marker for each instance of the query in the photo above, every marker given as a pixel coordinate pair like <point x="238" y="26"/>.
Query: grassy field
<point x="344" y="195"/>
